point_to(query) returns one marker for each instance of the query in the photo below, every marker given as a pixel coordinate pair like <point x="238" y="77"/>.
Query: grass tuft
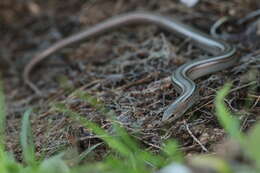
<point x="126" y="154"/>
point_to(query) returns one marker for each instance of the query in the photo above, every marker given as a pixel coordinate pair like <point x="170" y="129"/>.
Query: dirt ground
<point x="123" y="69"/>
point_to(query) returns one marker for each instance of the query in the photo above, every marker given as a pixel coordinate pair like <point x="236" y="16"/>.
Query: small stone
<point x="175" y="168"/>
<point x="190" y="3"/>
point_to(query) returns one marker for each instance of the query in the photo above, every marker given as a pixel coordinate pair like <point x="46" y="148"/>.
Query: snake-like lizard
<point x="182" y="78"/>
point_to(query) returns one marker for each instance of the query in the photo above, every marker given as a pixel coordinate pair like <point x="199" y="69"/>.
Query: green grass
<point x="126" y="154"/>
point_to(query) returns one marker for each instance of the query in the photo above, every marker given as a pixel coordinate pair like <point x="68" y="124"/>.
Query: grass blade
<point x="110" y="140"/>
<point x="2" y="120"/>
<point x="88" y="151"/>
<point x="226" y="119"/>
<point x="26" y="140"/>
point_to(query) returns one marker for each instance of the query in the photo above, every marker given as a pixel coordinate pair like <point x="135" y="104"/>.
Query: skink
<point x="182" y="78"/>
